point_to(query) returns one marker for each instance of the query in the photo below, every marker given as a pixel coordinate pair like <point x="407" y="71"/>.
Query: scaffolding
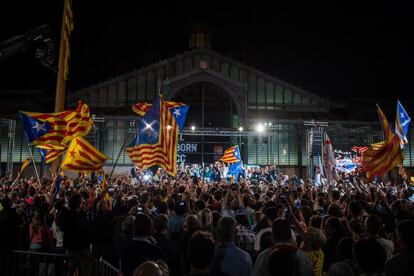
<point x="11" y="131"/>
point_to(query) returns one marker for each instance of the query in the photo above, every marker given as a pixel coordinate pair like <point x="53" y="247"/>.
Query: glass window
<point x="233" y="73"/>
<point x="296" y="99"/>
<point x="121" y="92"/>
<point x="160" y="74"/>
<point x="225" y="69"/>
<point x="151" y="86"/>
<point x="242" y="76"/>
<point x="112" y="95"/>
<point x="188" y="64"/>
<point x="260" y="91"/>
<point x="216" y="65"/>
<point x="179" y="67"/>
<point x="103" y="96"/>
<point x="288" y="96"/>
<point x="196" y="60"/>
<point x="93" y="97"/>
<point x="141" y="88"/>
<point x="252" y="89"/>
<point x="278" y="94"/>
<point x="270" y="99"/>
<point x="132" y="90"/>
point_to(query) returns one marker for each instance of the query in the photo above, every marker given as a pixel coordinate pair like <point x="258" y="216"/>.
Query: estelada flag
<point x="56" y="128"/>
<point x="157" y="139"/>
<point x="383" y="156"/>
<point x="231" y="155"/>
<point x="81" y="156"/>
<point x="52" y="151"/>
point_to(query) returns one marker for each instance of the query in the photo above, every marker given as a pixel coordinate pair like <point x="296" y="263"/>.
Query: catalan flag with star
<point x="383" y="156"/>
<point x="157" y="138"/>
<point x="81" y="156"/>
<point x="231" y="155"/>
<point x="56" y="128"/>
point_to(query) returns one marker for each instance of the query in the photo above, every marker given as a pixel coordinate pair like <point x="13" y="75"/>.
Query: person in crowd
<point x="402" y="264"/>
<point x="371" y="257"/>
<point x="282" y="237"/>
<point x="41" y="237"/>
<point x="228" y="258"/>
<point x="141" y="248"/>
<point x="312" y="244"/>
<point x="76" y="239"/>
<point x="200" y="253"/>
<point x="171" y="249"/>
<point x="373" y="230"/>
<point x="152" y="220"/>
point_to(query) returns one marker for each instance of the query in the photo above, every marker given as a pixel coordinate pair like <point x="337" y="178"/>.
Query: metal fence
<point x="22" y="263"/>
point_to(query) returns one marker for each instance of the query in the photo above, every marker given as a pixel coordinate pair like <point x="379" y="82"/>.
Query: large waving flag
<point x="81" y="156"/>
<point x="402" y="122"/>
<point x="157" y="138"/>
<point x="142" y="108"/>
<point x="50" y="152"/>
<point x="328" y="154"/>
<point x="56" y="128"/>
<point x="383" y="156"/>
<point x="231" y="155"/>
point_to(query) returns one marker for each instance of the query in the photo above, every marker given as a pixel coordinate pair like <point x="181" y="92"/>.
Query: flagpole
<point x="119" y="154"/>
<point x="34" y="163"/>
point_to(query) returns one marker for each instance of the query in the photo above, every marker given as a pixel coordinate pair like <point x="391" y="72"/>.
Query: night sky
<point x="332" y="51"/>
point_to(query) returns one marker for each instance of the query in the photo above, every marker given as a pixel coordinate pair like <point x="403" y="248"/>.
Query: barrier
<point x="22" y="263"/>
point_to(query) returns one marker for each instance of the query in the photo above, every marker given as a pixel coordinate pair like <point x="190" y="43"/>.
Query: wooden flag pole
<point x="34" y="163"/>
<point x="119" y="154"/>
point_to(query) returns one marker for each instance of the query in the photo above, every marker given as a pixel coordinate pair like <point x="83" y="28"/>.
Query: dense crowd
<point x="204" y="222"/>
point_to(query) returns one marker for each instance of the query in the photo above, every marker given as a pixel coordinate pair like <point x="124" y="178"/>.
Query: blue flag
<point x="402" y="122"/>
<point x="57" y="185"/>
<point x="43" y="154"/>
<point x="149" y="125"/>
<point x="236" y="168"/>
<point x="180" y="113"/>
<point x="33" y="128"/>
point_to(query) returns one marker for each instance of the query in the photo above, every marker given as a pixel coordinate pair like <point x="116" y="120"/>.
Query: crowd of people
<point x="204" y="222"/>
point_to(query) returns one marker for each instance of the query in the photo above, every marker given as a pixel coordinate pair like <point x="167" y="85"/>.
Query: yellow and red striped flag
<point x="383" y="156"/>
<point x="231" y="155"/>
<point x="56" y="128"/>
<point x="157" y="139"/>
<point x="67" y="29"/>
<point x="142" y="108"/>
<point x="81" y="156"/>
<point x="52" y="151"/>
<point x="25" y="164"/>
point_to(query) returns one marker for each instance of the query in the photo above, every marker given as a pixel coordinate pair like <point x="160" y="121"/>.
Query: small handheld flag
<point x="231" y="155"/>
<point x="402" y="121"/>
<point x="25" y="163"/>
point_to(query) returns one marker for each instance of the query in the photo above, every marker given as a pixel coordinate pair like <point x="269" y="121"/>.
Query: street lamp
<point x="240" y="128"/>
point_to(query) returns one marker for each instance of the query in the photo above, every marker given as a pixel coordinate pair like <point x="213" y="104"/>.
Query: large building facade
<point x="228" y="101"/>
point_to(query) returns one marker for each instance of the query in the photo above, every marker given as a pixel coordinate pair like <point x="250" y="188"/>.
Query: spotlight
<point x="270" y="124"/>
<point x="240" y="128"/>
<point x="260" y="128"/>
<point x="193" y="128"/>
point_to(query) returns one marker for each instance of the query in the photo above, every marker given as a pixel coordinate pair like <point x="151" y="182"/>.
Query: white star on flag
<point x="39" y="127"/>
<point x="177" y="112"/>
